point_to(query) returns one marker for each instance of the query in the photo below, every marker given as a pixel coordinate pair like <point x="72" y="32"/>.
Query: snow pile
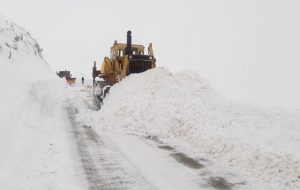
<point x="259" y="142"/>
<point x="33" y="140"/>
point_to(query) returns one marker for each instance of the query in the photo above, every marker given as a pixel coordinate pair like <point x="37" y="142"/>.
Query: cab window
<point x="120" y="52"/>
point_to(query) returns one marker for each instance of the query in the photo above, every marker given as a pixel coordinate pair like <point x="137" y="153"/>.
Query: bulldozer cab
<point x="125" y="59"/>
<point x="119" y="50"/>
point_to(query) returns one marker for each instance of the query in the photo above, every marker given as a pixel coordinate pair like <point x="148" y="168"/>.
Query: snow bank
<point x="260" y="142"/>
<point x="33" y="140"/>
<point x="21" y="61"/>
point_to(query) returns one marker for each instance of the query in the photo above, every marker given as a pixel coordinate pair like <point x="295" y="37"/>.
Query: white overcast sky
<point x="249" y="50"/>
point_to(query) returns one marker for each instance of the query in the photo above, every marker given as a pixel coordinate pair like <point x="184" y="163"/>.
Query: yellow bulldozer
<point x="124" y="60"/>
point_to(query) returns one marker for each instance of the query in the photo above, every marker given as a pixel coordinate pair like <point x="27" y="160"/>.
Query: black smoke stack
<point x="128" y="47"/>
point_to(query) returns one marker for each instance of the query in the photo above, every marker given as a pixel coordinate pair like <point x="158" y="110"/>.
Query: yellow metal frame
<point x="116" y="68"/>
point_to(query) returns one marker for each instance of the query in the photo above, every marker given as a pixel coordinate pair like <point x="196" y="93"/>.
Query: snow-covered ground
<point x="156" y="130"/>
<point x="260" y="144"/>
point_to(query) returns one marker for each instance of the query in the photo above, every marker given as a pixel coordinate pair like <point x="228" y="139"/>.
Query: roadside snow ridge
<point x="260" y="141"/>
<point x="35" y="152"/>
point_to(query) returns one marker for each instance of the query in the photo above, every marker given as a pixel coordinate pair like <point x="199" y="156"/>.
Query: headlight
<point x="150" y="57"/>
<point x="130" y="57"/>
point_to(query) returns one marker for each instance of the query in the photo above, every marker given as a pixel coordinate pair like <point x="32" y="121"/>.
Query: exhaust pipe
<point x="128" y="47"/>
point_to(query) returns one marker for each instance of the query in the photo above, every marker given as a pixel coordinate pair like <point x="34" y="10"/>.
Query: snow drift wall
<point x="31" y="115"/>
<point x="21" y="63"/>
<point x="261" y="142"/>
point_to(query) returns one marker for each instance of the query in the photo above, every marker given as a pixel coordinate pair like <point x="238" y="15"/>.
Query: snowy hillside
<point x="15" y="41"/>
<point x="21" y="63"/>
<point x="19" y="48"/>
<point x="261" y="143"/>
<point x="31" y="116"/>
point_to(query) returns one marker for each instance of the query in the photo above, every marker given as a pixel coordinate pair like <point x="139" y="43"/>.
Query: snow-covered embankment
<point x="33" y="142"/>
<point x="260" y="143"/>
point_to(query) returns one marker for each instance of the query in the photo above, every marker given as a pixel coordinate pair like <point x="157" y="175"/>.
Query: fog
<point x="249" y="50"/>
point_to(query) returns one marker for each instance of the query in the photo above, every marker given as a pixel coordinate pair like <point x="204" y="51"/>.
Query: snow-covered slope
<point x="15" y="41"/>
<point x="259" y="142"/>
<point x="20" y="52"/>
<point x="20" y="60"/>
<point x="33" y="142"/>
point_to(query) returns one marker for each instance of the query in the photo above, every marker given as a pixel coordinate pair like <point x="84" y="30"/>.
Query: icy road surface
<point x="113" y="160"/>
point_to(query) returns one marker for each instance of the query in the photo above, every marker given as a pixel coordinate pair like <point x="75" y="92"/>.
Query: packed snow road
<point x="116" y="161"/>
<point x="103" y="164"/>
<point x="113" y="160"/>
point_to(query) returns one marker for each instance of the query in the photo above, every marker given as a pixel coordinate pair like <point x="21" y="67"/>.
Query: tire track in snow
<point x="104" y="166"/>
<point x="89" y="167"/>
